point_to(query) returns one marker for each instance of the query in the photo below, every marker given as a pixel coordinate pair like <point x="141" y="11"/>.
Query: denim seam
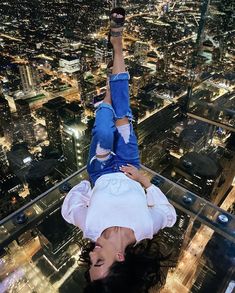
<point x="107" y="106"/>
<point x="124" y="76"/>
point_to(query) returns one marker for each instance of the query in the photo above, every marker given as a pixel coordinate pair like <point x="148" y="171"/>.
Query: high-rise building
<point x="25" y="121"/>
<point x="29" y="78"/>
<point x="114" y="3"/>
<point x="19" y="159"/>
<point x="5" y="119"/>
<point x="119" y="3"/>
<point x="54" y="247"/>
<point x="72" y="111"/>
<point x="75" y="145"/>
<point x="3" y="159"/>
<point x="201" y="29"/>
<point x="69" y="64"/>
<point x="53" y="121"/>
<point x="137" y="83"/>
<point x="140" y="51"/>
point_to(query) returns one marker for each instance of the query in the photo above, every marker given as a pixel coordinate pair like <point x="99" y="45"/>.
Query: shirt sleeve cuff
<point x="170" y="213"/>
<point x="155" y="196"/>
<point x="80" y="195"/>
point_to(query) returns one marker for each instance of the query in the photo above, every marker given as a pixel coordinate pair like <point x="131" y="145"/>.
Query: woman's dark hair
<point x="144" y="267"/>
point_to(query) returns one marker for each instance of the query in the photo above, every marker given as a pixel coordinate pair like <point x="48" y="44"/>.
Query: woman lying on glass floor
<point x="123" y="208"/>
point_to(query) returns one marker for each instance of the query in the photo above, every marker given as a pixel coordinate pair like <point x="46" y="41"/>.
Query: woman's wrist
<point x="145" y="182"/>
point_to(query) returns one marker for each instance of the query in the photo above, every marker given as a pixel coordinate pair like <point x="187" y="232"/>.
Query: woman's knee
<point x="104" y="136"/>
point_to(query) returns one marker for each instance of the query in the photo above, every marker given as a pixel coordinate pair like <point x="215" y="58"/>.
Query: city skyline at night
<point x="53" y="67"/>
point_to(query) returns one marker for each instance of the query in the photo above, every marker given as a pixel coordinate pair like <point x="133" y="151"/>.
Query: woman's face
<point x="102" y="257"/>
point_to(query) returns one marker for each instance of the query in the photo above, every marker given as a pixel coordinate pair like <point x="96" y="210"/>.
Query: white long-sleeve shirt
<point x="117" y="200"/>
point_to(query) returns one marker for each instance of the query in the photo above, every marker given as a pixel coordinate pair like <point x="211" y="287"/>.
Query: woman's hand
<point x="133" y="173"/>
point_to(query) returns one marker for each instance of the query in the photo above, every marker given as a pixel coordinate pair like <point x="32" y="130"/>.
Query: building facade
<point x="75" y="145"/>
<point x="5" y="120"/>
<point x="25" y="121"/>
<point x="53" y="121"/>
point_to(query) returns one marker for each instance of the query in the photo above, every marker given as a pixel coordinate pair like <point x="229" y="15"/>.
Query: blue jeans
<point x="106" y="134"/>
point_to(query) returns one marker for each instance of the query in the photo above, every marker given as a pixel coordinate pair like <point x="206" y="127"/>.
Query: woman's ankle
<point x="117" y="43"/>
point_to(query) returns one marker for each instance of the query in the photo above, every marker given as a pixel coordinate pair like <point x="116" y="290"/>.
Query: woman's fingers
<point x="131" y="166"/>
<point x="126" y="171"/>
<point x="128" y="168"/>
<point x="124" y="168"/>
<point x="130" y="171"/>
<point x="128" y="175"/>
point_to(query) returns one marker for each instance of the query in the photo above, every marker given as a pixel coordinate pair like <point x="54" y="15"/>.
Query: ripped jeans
<point x="121" y="141"/>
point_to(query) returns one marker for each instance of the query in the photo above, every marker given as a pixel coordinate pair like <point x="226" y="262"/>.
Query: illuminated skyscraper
<point x="140" y="51"/>
<point x="26" y="121"/>
<point x="53" y="121"/>
<point x="75" y="145"/>
<point x="69" y="64"/>
<point x="201" y="29"/>
<point x="28" y="78"/>
<point x="5" y="119"/>
<point x="3" y="159"/>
